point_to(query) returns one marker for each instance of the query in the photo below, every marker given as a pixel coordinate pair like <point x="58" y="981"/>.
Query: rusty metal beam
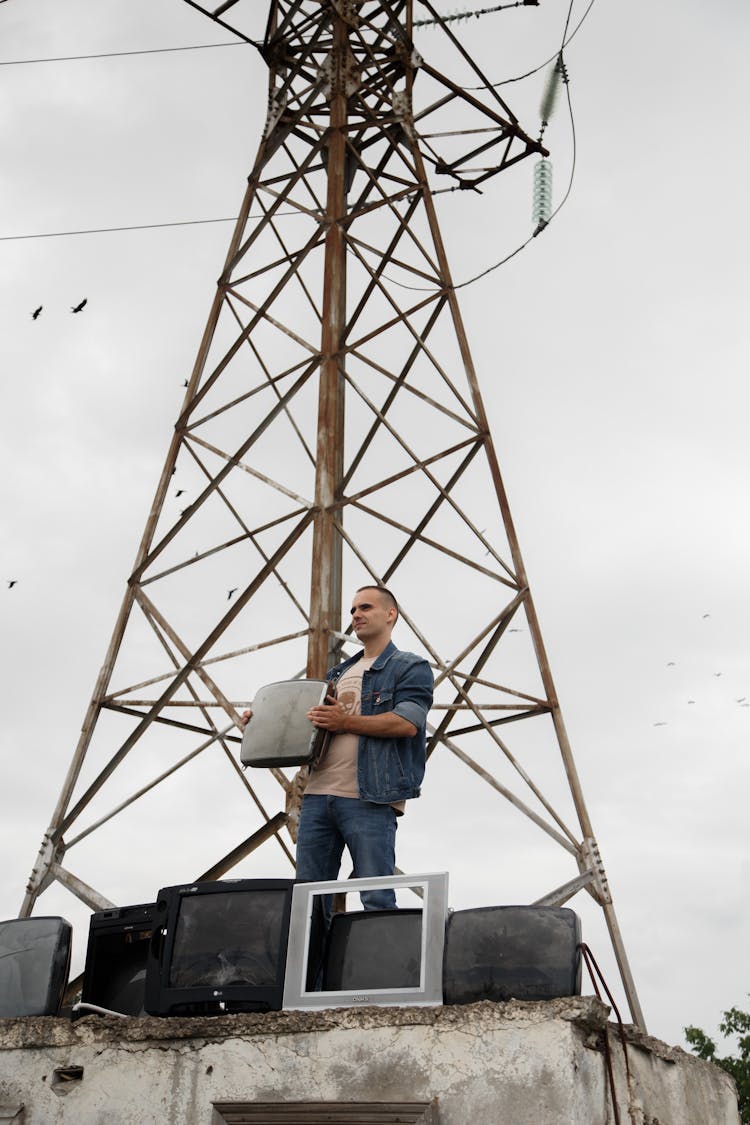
<point x="223" y="866"/>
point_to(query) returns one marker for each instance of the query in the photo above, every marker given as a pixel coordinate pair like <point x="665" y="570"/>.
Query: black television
<point x="34" y="966"/>
<point x="372" y="949"/>
<point x="511" y="952"/>
<point x="114" y="976"/>
<point x="219" y="947"/>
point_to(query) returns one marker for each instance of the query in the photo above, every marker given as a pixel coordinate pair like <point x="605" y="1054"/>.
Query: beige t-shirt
<point x="336" y="774"/>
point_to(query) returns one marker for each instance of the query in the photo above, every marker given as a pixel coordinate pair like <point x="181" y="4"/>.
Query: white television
<point x="380" y="957"/>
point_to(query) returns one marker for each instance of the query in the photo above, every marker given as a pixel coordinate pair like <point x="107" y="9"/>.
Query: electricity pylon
<point x="332" y="434"/>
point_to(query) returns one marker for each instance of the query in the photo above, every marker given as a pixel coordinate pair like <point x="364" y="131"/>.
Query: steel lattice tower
<point x="333" y="433"/>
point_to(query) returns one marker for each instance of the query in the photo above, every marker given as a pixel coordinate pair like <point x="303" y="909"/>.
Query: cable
<point x="465" y="15"/>
<point x="518" y="249"/>
<point x="139" y="226"/>
<point x="562" y="202"/>
<point x="420" y="23"/>
<point x="208" y="46"/>
<point x="82" y="1006"/>
<point x="233" y="218"/>
<point x="528" y="74"/>
<point x="119" y="54"/>
<point x="108" y="230"/>
<point x="574" y="147"/>
<point x="558" y="55"/>
<point x="594" y="972"/>
<point x="198" y="222"/>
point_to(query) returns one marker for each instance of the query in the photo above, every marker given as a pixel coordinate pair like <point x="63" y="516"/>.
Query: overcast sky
<point x="619" y="408"/>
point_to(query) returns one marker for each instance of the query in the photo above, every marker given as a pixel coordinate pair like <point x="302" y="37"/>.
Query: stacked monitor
<point x="512" y="952"/>
<point x="219" y="947"/>
<point x="254" y="945"/>
<point x="115" y="975"/>
<point x="34" y="966"/>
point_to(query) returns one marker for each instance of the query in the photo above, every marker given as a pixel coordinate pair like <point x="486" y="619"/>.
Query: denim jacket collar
<point x="380" y="661"/>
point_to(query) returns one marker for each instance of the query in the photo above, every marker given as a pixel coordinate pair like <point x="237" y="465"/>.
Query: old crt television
<point x="384" y="957"/>
<point x="280" y="733"/>
<point x="34" y="966"/>
<point x="373" y="949"/>
<point x="219" y="947"/>
<point x="114" y="976"/>
<point x="512" y="952"/>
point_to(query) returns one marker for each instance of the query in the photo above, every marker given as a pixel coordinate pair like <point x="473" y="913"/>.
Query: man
<point x="376" y="757"/>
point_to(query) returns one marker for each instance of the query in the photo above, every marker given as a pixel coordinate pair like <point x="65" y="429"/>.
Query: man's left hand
<point x="329" y="715"/>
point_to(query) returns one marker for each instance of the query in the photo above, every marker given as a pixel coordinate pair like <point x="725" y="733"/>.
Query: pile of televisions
<point x="252" y="945"/>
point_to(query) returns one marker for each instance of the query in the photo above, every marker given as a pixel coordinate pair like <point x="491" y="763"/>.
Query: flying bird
<point x="11" y="582"/>
<point x="659" y="724"/>
<point x="691" y="701"/>
<point x="705" y="615"/>
<point x="718" y="673"/>
<point x="670" y="664"/>
<point x="231" y="592"/>
<point x="77" y="308"/>
<point x="179" y="492"/>
<point x="36" y="312"/>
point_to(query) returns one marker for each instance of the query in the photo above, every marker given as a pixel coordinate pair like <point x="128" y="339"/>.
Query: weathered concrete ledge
<point x="525" y="1063"/>
<point x="45" y="1031"/>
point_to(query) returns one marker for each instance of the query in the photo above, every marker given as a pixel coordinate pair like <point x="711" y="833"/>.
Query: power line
<point x="108" y="230"/>
<point x="459" y="17"/>
<point x="200" y="222"/>
<point x="563" y="201"/>
<point x="119" y="54"/>
<point x="208" y="46"/>
<point x="138" y="226"/>
<point x="558" y="55"/>
<point x="565" y="41"/>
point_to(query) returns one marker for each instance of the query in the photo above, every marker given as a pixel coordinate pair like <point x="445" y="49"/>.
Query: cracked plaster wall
<point x="515" y="1063"/>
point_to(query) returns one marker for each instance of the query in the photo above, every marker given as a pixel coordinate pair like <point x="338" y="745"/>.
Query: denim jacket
<point x="391" y="769"/>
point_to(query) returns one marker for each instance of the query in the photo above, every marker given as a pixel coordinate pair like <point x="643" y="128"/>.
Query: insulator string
<point x="460" y="17"/>
<point x="541" y="209"/>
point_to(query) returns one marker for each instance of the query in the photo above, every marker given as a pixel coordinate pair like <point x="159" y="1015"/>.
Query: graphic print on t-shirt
<point x="349" y="695"/>
<point x="336" y="774"/>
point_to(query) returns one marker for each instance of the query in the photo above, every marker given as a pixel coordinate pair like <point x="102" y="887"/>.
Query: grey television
<point x="394" y="980"/>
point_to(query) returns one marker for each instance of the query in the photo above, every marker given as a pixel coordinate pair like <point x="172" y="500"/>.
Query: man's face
<point x="372" y="618"/>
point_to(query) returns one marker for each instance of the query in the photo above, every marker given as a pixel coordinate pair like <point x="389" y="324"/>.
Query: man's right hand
<point x="245" y="717"/>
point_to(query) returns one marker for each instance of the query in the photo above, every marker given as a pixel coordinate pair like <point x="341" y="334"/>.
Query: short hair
<point x="388" y="597"/>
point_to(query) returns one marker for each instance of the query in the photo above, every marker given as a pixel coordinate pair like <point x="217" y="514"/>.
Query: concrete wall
<point x="511" y="1064"/>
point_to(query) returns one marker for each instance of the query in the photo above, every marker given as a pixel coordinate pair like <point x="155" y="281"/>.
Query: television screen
<point x="219" y="947"/>
<point x="511" y="952"/>
<point x="373" y="949"/>
<point x="115" y="973"/>
<point x="34" y="965"/>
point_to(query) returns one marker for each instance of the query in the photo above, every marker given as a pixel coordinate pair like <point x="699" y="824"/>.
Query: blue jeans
<point x="327" y="824"/>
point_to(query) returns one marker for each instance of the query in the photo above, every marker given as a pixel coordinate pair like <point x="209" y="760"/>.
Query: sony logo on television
<point x="217" y="991"/>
